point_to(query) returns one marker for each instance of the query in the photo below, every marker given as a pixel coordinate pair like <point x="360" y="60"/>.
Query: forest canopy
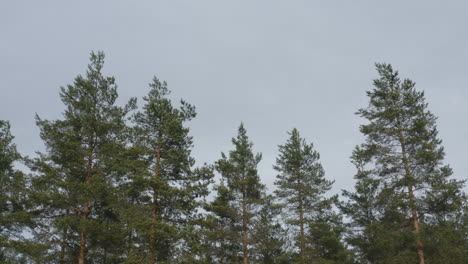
<point x="119" y="184"/>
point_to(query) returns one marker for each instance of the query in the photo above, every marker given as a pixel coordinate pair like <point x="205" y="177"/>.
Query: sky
<point x="273" y="65"/>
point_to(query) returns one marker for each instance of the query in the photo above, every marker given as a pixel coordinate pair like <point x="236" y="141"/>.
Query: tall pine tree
<point x="402" y="186"/>
<point x="269" y="238"/>
<point x="169" y="189"/>
<point x="239" y="170"/>
<point x="77" y="177"/>
<point x="221" y="229"/>
<point x="301" y="187"/>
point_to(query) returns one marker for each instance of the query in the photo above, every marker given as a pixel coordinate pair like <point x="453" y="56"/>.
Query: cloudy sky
<point x="274" y="65"/>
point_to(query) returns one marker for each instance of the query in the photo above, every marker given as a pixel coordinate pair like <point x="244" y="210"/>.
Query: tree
<point x="240" y="173"/>
<point x="377" y="221"/>
<point x="13" y="198"/>
<point x="301" y="186"/>
<point x="76" y="186"/>
<point x="269" y="238"/>
<point x="221" y="230"/>
<point x="168" y="190"/>
<point x="325" y="237"/>
<point x="402" y="186"/>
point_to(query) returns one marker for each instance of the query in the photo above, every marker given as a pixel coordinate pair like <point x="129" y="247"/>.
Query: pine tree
<point x="402" y="186"/>
<point x="76" y="186"/>
<point x="221" y="230"/>
<point x="269" y="238"/>
<point x="325" y="237"/>
<point x="301" y="185"/>
<point x="13" y="199"/>
<point x="169" y="190"/>
<point x="377" y="221"/>
<point x="240" y="173"/>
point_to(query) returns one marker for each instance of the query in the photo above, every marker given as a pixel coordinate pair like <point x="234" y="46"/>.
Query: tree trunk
<point x="245" y="240"/>
<point x="85" y="212"/>
<point x="84" y="219"/>
<point x="106" y="248"/>
<point x="414" y="214"/>
<point x="63" y="245"/>
<point x="302" y="235"/>
<point x="301" y="220"/>
<point x="412" y="202"/>
<point x="154" y="209"/>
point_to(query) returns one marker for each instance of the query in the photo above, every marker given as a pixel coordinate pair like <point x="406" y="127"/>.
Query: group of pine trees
<point x="118" y="184"/>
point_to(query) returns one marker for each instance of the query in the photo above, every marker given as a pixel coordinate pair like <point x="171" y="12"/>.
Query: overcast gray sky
<point x="273" y="64"/>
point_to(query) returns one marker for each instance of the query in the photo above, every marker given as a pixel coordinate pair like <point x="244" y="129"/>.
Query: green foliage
<point x="113" y="186"/>
<point x="325" y="237"/>
<point x="75" y="189"/>
<point x="240" y="169"/>
<point x="399" y="169"/>
<point x="269" y="238"/>
<point x="13" y="199"/>
<point x="301" y="181"/>
<point x="166" y="191"/>
<point x="301" y="187"/>
<point x="222" y="238"/>
<point x="243" y="193"/>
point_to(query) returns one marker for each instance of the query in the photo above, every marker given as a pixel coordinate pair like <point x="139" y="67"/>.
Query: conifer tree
<point x="325" y="237"/>
<point x="13" y="198"/>
<point x="380" y="229"/>
<point x="221" y="232"/>
<point x="76" y="186"/>
<point x="269" y="238"/>
<point x="239" y="170"/>
<point x="169" y="190"/>
<point x="402" y="186"/>
<point x="301" y="185"/>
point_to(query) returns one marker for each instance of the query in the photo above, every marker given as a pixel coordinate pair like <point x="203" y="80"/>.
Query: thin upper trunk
<point x="130" y="235"/>
<point x="63" y="245"/>
<point x="302" y="236"/>
<point x="412" y="202"/>
<point x="85" y="211"/>
<point x="154" y="209"/>
<point x="104" y="261"/>
<point x="245" y="240"/>
<point x="301" y="220"/>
